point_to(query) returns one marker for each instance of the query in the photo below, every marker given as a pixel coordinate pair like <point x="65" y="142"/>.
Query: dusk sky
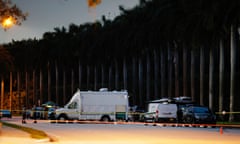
<point x="45" y="15"/>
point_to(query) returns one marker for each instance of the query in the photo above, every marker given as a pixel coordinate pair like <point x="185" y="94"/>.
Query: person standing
<point x="24" y="115"/>
<point x="35" y="114"/>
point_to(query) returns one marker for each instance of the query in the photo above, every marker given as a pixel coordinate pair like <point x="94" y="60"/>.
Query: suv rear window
<point x="200" y="110"/>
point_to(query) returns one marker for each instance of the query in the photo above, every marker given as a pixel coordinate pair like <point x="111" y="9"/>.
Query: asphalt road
<point x="75" y="133"/>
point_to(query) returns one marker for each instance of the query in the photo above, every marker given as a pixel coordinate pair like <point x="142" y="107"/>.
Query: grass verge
<point x="37" y="134"/>
<point x="228" y="123"/>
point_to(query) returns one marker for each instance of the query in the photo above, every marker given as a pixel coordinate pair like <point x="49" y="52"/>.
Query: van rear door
<point x="167" y="111"/>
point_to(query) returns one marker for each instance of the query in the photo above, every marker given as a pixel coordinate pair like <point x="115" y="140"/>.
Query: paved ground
<point x="13" y="136"/>
<point x="10" y="135"/>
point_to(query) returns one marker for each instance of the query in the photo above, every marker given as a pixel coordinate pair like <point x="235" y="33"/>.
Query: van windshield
<point x="73" y="105"/>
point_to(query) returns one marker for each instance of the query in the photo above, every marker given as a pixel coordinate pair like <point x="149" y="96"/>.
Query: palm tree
<point x="156" y="73"/>
<point x="221" y="76"/>
<point x="163" y="73"/>
<point x="233" y="70"/>
<point x="140" y="82"/>
<point x="57" y="82"/>
<point x="49" y="81"/>
<point x="202" y="75"/>
<point x="6" y="64"/>
<point x="169" y="63"/>
<point x="6" y="60"/>
<point x="211" y="71"/>
<point x="176" y="69"/>
<point x="185" y="61"/>
<point x="148" y="78"/>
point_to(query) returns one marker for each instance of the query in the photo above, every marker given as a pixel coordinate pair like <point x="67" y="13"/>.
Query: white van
<point x="161" y="111"/>
<point x="166" y="109"/>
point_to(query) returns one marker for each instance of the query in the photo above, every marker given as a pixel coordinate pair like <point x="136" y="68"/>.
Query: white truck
<point x="100" y="105"/>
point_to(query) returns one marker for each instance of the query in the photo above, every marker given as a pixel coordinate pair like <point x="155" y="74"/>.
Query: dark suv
<point x="198" y="115"/>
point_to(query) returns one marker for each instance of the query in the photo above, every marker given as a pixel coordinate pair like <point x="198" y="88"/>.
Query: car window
<point x="201" y="110"/>
<point x="190" y="110"/>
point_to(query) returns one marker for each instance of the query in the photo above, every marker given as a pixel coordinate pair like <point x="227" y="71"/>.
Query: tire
<point x="155" y="120"/>
<point x="62" y="118"/>
<point x="189" y="120"/>
<point x="105" y="119"/>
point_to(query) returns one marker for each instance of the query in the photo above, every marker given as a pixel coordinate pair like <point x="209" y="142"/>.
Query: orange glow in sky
<point x="8" y="22"/>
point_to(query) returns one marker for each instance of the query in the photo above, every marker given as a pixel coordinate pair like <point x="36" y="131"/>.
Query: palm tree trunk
<point x="95" y="77"/>
<point x="185" y="70"/>
<point x="57" y="82"/>
<point x="221" y="76"/>
<point x="169" y="72"/>
<point x="88" y="77"/>
<point x="116" y="75"/>
<point x="103" y="76"/>
<point x="134" y="80"/>
<point x="64" y="86"/>
<point x="233" y="72"/>
<point x="193" y="75"/>
<point x="34" y="86"/>
<point x="110" y="77"/>
<point x="26" y="89"/>
<point x="202" y="71"/>
<point x="49" y="82"/>
<point x="125" y="76"/>
<point x="148" y="76"/>
<point x="10" y="97"/>
<point x="79" y="75"/>
<point x="163" y="73"/>
<point x="41" y="87"/>
<point x="176" y="57"/>
<point x="18" y="90"/>
<point x="2" y="91"/>
<point x="72" y="80"/>
<point x="211" y="69"/>
<point x="156" y="75"/>
<point x="140" y="78"/>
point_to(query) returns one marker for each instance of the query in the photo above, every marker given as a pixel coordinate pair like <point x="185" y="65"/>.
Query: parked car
<point x="5" y="113"/>
<point x="135" y="113"/>
<point x="38" y="112"/>
<point x="51" y="113"/>
<point x="198" y="115"/>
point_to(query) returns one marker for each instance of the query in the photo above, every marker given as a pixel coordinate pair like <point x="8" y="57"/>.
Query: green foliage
<point x="6" y="60"/>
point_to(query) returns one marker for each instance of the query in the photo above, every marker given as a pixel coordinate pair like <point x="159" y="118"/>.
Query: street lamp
<point x="8" y="22"/>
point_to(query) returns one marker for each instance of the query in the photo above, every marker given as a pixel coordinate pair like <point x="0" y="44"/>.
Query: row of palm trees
<point x="160" y="48"/>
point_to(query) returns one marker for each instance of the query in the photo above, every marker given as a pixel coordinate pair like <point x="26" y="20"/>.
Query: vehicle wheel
<point x="189" y="120"/>
<point x="105" y="119"/>
<point x="142" y="119"/>
<point x="62" y="118"/>
<point x="155" y="120"/>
